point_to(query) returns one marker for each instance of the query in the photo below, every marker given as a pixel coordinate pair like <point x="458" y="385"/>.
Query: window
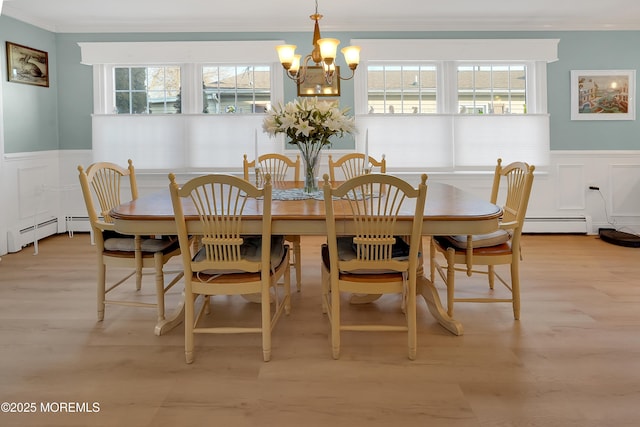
<point x="412" y="88"/>
<point x="147" y="90"/>
<point x="204" y="81"/>
<point x="492" y="89"/>
<point x="236" y="89"/>
<point x="464" y="103"/>
<point x="408" y="89"/>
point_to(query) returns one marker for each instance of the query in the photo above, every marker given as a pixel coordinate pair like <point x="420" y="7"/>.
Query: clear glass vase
<point x="310" y="153"/>
<point x="310" y="169"/>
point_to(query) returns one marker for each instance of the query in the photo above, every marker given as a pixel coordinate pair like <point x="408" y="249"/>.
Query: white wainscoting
<point x="32" y="201"/>
<point x="44" y="196"/>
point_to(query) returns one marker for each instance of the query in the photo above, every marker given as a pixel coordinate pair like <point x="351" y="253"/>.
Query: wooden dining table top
<point x="448" y="210"/>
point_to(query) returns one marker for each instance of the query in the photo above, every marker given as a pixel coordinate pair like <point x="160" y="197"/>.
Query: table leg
<point x="429" y="292"/>
<point x="427" y="289"/>
<point x="170" y="322"/>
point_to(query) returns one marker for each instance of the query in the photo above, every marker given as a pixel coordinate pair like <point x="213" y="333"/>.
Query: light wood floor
<point x="573" y="360"/>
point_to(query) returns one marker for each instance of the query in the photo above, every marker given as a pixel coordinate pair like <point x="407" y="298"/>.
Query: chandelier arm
<point x="328" y="77"/>
<point x="353" y="73"/>
<point x="293" y="77"/>
<point x="301" y="75"/>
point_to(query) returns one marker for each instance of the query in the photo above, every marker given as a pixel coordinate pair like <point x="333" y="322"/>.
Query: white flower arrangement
<point x="309" y="124"/>
<point x="308" y="121"/>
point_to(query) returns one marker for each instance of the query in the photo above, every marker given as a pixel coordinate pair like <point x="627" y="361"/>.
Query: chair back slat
<point x="354" y="164"/>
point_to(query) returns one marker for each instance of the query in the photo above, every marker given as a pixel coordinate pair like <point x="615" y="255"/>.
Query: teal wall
<point x="30" y="112"/>
<point x="616" y="50"/>
<point x="38" y="119"/>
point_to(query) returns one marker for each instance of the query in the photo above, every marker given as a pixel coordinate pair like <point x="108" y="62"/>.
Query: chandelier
<point x="323" y="54"/>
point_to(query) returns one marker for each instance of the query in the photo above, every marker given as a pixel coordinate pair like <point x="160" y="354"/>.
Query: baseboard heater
<point x="17" y="240"/>
<point x="577" y="225"/>
<point x="77" y="223"/>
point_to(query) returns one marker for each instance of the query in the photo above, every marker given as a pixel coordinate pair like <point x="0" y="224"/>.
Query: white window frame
<point x="529" y="72"/>
<point x="447" y="132"/>
<point x="190" y="56"/>
<point x="110" y="103"/>
<point x="192" y="140"/>
<point x="435" y="64"/>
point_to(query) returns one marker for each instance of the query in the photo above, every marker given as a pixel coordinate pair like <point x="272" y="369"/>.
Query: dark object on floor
<point x="619" y="238"/>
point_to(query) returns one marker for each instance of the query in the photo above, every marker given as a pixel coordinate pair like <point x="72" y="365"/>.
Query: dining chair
<point x="375" y="259"/>
<point x="353" y="164"/>
<point x="502" y="247"/>
<point x="228" y="262"/>
<point x="105" y="183"/>
<point x="281" y="168"/>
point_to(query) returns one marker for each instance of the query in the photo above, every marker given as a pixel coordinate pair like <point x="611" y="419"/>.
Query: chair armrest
<point x="508" y="225"/>
<point x="104" y="226"/>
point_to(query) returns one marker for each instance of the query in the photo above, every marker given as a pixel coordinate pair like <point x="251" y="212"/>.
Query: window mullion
<point x="447" y="87"/>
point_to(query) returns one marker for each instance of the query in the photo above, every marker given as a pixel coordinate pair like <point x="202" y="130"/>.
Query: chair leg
<point x="451" y="273"/>
<point x="432" y="260"/>
<point x="515" y="288"/>
<point x="138" y="250"/>
<point x="297" y="262"/>
<point x="189" y="318"/>
<point x="492" y="276"/>
<point x="324" y="282"/>
<point x="335" y="321"/>
<point x="287" y="290"/>
<point x="159" y="276"/>
<point x="411" y="322"/>
<point x="102" y="277"/>
<point x="207" y="304"/>
<point x="266" y="323"/>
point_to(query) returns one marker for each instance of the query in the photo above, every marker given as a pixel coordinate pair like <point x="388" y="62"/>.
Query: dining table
<point x="448" y="211"/>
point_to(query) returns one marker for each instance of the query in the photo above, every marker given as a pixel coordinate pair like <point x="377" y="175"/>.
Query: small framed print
<point x="603" y="95"/>
<point x="27" y="65"/>
<point x="314" y="83"/>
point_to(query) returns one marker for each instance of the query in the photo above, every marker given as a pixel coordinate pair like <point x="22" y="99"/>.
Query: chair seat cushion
<point x="251" y="250"/>
<point x="479" y="241"/>
<point x="148" y="245"/>
<point x="347" y="252"/>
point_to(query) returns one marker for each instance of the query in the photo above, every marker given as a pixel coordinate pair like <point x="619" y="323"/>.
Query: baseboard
<point x="575" y="225"/>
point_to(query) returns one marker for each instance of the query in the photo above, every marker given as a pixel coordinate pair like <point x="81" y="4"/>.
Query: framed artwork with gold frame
<point x="27" y="65"/>
<point x="315" y="85"/>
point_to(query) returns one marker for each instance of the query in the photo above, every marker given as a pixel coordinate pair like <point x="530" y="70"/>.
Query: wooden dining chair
<point x="375" y="259"/>
<point x="281" y="168"/>
<point x="499" y="248"/>
<point x="228" y="262"/>
<point x="353" y="164"/>
<point x="105" y="183"/>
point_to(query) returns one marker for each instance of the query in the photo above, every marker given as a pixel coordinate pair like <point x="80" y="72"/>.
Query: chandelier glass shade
<point x="323" y="54"/>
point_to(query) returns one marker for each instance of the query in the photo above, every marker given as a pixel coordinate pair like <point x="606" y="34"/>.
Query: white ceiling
<point x="73" y="16"/>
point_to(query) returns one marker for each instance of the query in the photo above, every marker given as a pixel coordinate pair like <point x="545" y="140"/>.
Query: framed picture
<point x="315" y="85"/>
<point x="27" y="65"/>
<point x="603" y="95"/>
